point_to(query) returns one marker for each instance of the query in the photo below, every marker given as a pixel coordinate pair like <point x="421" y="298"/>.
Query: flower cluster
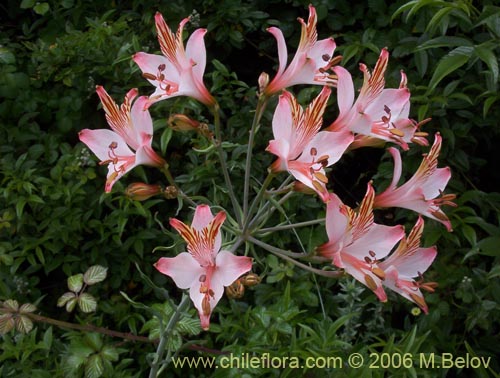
<point x="379" y="256"/>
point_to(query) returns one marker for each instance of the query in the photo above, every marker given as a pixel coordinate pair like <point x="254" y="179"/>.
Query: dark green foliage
<point x="56" y="221"/>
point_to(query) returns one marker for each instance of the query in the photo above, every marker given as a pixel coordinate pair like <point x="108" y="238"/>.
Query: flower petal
<point x="183" y="269"/>
<point x="230" y="267"/>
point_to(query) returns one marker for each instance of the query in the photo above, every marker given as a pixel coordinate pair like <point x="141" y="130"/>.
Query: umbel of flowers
<point x="378" y="256"/>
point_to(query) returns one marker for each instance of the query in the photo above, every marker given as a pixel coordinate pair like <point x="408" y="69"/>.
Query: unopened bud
<point x="263" y="81"/>
<point x="181" y="122"/>
<point x="139" y="191"/>
<point x="170" y="192"/>
<point x="250" y="279"/>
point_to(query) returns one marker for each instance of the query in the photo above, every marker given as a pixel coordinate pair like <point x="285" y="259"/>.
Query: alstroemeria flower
<point x="203" y="269"/>
<point x="356" y="243"/>
<point x="179" y="72"/>
<point x="132" y="129"/>
<point x="311" y="62"/>
<point x="408" y="262"/>
<point x="302" y="149"/>
<point x="378" y="113"/>
<point x="422" y="193"/>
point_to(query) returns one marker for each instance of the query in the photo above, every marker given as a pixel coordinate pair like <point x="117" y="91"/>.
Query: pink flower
<point x="378" y="114"/>
<point x="423" y="193"/>
<point x="132" y="129"/>
<point x="356" y="243"/>
<point x="408" y="262"/>
<point x="179" y="72"/>
<point x="204" y="269"/>
<point x="311" y="62"/>
<point x="302" y="149"/>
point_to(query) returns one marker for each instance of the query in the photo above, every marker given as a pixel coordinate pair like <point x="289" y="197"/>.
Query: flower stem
<point x="166" y="171"/>
<point x="225" y="172"/>
<point x="289" y="256"/>
<point x="160" y="350"/>
<point x="293" y="225"/>
<point x="256" y="200"/>
<point x="259" y="111"/>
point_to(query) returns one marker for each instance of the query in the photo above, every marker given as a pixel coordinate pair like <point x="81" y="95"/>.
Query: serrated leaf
<point x="11" y="304"/>
<point x="449" y="63"/>
<point x="94" y="367"/>
<point x="75" y="283"/>
<point x="109" y="353"/>
<point x="6" y="323"/>
<point x="95" y="274"/>
<point x="27" y="307"/>
<point x="70" y="305"/>
<point x="94" y="341"/>
<point x="87" y="303"/>
<point x="189" y="326"/>
<point x="63" y="299"/>
<point x="24" y="324"/>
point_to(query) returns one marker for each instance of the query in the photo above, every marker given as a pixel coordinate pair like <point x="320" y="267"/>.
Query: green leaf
<point x="189" y="326"/>
<point x="109" y="353"/>
<point x="25" y="4"/>
<point x="489" y="58"/>
<point x="63" y="299"/>
<point x="95" y="274"/>
<point x="75" y="282"/>
<point x="449" y="63"/>
<point x="70" y="305"/>
<point x="94" y="340"/>
<point x="444" y="41"/>
<point x="41" y="8"/>
<point x="6" y="57"/>
<point x="94" y="367"/>
<point x="87" y="303"/>
<point x="489" y="246"/>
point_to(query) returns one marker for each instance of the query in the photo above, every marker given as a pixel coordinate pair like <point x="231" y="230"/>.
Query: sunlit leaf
<point x="23" y="324"/>
<point x="6" y="323"/>
<point x="95" y="274"/>
<point x="63" y="299"/>
<point x="75" y="282"/>
<point x="87" y="302"/>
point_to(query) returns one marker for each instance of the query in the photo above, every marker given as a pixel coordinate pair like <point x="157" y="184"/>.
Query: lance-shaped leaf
<point x="449" y="63"/>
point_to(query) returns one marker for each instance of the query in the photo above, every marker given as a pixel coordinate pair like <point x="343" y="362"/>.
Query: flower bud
<point x="181" y="122"/>
<point x="263" y="81"/>
<point x="139" y="191"/>
<point x="170" y="192"/>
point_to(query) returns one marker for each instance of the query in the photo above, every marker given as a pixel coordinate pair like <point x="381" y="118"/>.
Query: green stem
<point x="166" y="171"/>
<point x="273" y="249"/>
<point x="293" y="225"/>
<point x="289" y="256"/>
<point x="225" y="171"/>
<point x="160" y="350"/>
<point x="256" y="200"/>
<point x="259" y="111"/>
